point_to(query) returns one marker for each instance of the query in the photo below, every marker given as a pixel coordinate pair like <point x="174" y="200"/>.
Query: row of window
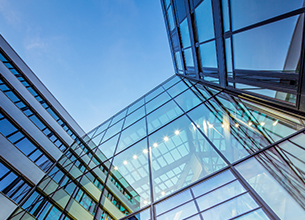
<point x="28" y="111"/>
<point x="20" y="76"/>
<point x="22" y="142"/>
<point x="12" y="184"/>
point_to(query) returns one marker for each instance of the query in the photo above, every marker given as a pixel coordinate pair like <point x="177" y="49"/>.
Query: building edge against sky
<point x="221" y="140"/>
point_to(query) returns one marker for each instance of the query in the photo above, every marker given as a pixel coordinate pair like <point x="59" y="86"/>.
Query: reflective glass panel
<point x="154" y="93"/>
<point x="204" y="21"/>
<point x="171" y="82"/>
<point x="118" y="117"/>
<point x="113" y="130"/>
<point x="262" y="181"/>
<point x="144" y="215"/>
<point x="163" y="115"/>
<point x="178" y="60"/>
<point x="258" y="215"/>
<point x="136" y="105"/>
<point x="173" y="202"/>
<point x="176" y="89"/>
<point x="208" y="55"/>
<point x="187" y="100"/>
<point x="274" y="46"/>
<point x="245" y="13"/>
<point x="180" y="156"/>
<point x="215" y="124"/>
<point x="217" y="196"/>
<point x="231" y="208"/>
<point x="188" y="57"/>
<point x="185" y="34"/>
<point x="131" y="171"/>
<point x="170" y="19"/>
<point x="156" y="102"/>
<point x="180" y="212"/>
<point x="212" y="183"/>
<point x="132" y="134"/>
<point x="133" y="117"/>
<point x="106" y="149"/>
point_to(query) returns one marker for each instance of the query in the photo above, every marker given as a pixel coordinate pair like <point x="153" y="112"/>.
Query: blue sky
<point x="95" y="56"/>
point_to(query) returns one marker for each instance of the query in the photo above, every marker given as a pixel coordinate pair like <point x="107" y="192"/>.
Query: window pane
<point x="133" y="117"/>
<point x="245" y="13"/>
<point x="156" y="102"/>
<point x="170" y="19"/>
<point x="208" y="55"/>
<point x="275" y="46"/>
<point x="136" y="105"/>
<point x="178" y="88"/>
<point x="231" y="208"/>
<point x="173" y="202"/>
<point x="224" y="193"/>
<point x="187" y="100"/>
<point x="204" y="21"/>
<point x="163" y="115"/>
<point x="132" y="134"/>
<point x="185" y="34"/>
<point x="178" y="60"/>
<point x="180" y="213"/>
<point x="188" y="56"/>
<point x="6" y="127"/>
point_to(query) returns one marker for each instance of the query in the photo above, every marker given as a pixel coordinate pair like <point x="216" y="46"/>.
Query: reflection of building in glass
<point x="223" y="139"/>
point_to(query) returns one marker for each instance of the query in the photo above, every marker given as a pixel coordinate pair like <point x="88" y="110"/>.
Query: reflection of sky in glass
<point x="178" y="60"/>
<point x="208" y="54"/>
<point x="132" y="171"/>
<point x="188" y="56"/>
<point x="170" y="18"/>
<point x="264" y="48"/>
<point x="185" y="34"/>
<point x="204" y="20"/>
<point x="252" y="11"/>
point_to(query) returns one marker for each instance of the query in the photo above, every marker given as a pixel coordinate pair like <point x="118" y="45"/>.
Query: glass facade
<point x="221" y="139"/>
<point x="254" y="47"/>
<point x="182" y="151"/>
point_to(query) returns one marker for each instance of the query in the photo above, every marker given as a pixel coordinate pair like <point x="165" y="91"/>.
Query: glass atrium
<point x="216" y="155"/>
<point x="221" y="139"/>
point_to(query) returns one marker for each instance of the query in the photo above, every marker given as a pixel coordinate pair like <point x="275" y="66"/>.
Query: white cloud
<point x="9" y="13"/>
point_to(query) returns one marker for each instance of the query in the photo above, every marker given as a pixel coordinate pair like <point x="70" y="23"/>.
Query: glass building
<point x="221" y="139"/>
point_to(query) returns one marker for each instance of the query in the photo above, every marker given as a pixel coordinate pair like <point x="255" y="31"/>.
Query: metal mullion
<point x="152" y="210"/>
<point x="178" y="39"/>
<point x="219" y="42"/>
<point x="192" y="37"/>
<point x="301" y="88"/>
<point x="254" y="194"/>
